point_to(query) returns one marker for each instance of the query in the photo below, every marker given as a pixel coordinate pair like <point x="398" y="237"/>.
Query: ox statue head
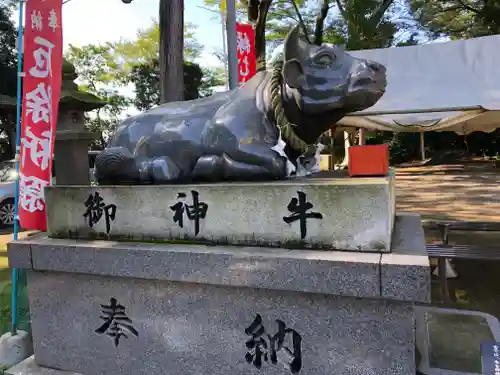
<point x="324" y="79"/>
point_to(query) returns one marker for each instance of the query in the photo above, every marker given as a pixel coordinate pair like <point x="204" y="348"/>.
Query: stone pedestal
<point x="193" y="309"/>
<point x="318" y="213"/>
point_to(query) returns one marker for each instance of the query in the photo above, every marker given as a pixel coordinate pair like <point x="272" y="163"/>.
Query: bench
<point x="444" y="250"/>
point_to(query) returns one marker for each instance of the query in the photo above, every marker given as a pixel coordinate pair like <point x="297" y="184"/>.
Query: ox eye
<point x="324" y="59"/>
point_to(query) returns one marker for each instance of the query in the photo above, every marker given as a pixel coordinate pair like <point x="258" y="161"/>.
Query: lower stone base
<point x="192" y="328"/>
<point x="111" y="308"/>
<point x="30" y="367"/>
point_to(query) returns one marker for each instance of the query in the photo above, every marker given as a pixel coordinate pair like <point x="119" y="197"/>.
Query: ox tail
<point x="115" y="165"/>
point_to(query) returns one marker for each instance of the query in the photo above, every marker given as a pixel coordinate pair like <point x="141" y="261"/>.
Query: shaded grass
<point x="5" y="300"/>
<point x="5" y="292"/>
<point x="6" y="296"/>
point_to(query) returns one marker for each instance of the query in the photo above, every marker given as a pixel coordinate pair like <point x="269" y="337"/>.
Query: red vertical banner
<point x="42" y="67"/>
<point x="247" y="63"/>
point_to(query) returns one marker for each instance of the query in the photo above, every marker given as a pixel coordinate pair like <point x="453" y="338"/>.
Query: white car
<point x="8" y="187"/>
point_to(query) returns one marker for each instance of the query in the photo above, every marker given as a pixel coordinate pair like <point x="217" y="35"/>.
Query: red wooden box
<point x="372" y="160"/>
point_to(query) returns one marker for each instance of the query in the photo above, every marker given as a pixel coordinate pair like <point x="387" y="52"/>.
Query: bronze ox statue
<point x="265" y="129"/>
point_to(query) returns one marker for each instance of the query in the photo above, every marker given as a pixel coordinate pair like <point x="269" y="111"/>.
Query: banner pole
<point x="232" y="51"/>
<point x="20" y="43"/>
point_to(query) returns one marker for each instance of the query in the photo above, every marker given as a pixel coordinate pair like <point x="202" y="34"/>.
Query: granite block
<point x="344" y="214"/>
<point x="188" y="328"/>
<point x="330" y="272"/>
<point x="19" y="253"/>
<point x="408" y="236"/>
<point x="405" y="273"/>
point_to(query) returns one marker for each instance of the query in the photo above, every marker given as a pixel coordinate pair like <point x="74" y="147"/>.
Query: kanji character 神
<point x="39" y="103"/>
<point x="31" y="194"/>
<point x="43" y="60"/>
<point x="37" y="147"/>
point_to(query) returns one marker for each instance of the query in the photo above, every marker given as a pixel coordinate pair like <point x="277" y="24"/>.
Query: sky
<point x="99" y="21"/>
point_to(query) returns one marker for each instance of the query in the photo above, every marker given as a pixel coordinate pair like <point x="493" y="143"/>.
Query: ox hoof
<point x="113" y="164"/>
<point x="162" y="170"/>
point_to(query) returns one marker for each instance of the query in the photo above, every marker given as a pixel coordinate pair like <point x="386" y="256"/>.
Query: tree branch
<point x="301" y="21"/>
<point x="341" y="9"/>
<point x="380" y="11"/>
<point x="468" y="7"/>
<point x="451" y="9"/>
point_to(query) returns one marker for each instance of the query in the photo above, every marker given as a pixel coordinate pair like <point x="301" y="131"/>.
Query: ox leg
<point x="234" y="169"/>
<point x="217" y="167"/>
<point x="158" y="170"/>
<point x="258" y="154"/>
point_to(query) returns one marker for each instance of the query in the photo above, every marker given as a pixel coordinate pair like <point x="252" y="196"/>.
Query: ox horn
<point x="291" y="45"/>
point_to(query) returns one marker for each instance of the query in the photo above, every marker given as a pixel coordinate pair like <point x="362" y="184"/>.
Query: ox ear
<point x="293" y="73"/>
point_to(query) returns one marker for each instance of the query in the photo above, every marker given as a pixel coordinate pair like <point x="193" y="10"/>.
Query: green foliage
<point x="458" y="19"/>
<point x="139" y="66"/>
<point x="198" y="82"/>
<point x="212" y="78"/>
<point x="358" y="24"/>
<point x="95" y="65"/>
<point x="405" y="147"/>
<point x="366" y="24"/>
<point x="8" y="57"/>
<point x="282" y="16"/>
<point x="107" y="69"/>
<point x="8" y="74"/>
<point x="146" y="47"/>
<point x="146" y="78"/>
<point x="97" y="72"/>
<point x="220" y="7"/>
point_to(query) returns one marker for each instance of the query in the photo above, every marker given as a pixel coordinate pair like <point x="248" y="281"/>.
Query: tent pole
<point x="362" y="136"/>
<point x="411" y="111"/>
<point x="232" y="51"/>
<point x="422" y="145"/>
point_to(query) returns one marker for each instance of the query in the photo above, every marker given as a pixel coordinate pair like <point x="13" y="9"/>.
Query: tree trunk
<point x="320" y="22"/>
<point x="259" y="8"/>
<point x="171" y="22"/>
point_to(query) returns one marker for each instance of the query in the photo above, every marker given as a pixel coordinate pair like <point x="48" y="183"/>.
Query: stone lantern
<point x="71" y="162"/>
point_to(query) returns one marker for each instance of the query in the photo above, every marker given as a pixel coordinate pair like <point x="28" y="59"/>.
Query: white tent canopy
<point x="451" y="86"/>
